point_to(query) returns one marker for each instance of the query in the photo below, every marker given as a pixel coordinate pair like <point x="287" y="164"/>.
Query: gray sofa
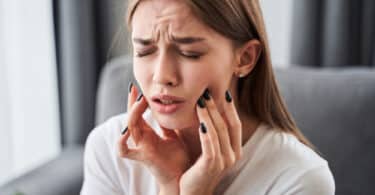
<point x="335" y="108"/>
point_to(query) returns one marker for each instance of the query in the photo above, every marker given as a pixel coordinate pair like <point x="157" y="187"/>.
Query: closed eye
<point x="144" y="53"/>
<point x="192" y="55"/>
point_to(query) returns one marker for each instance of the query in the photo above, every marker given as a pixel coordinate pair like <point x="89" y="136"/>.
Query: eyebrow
<point x="179" y="40"/>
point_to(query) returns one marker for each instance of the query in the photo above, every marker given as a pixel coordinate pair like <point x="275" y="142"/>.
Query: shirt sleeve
<point x="318" y="180"/>
<point x="98" y="167"/>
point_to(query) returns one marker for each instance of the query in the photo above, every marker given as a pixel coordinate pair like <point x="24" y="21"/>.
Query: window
<point x="278" y="19"/>
<point x="29" y="115"/>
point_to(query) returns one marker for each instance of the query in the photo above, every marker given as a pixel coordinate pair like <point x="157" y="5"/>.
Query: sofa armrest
<point x="61" y="176"/>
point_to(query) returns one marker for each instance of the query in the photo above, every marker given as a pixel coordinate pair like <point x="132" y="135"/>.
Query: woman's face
<point x="176" y="55"/>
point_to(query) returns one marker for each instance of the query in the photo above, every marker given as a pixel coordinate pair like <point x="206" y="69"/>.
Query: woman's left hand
<point x="220" y="138"/>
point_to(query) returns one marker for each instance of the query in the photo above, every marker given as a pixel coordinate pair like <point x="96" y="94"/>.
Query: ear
<point x="247" y="57"/>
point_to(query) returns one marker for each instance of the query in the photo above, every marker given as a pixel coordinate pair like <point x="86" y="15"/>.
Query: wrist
<point x="195" y="193"/>
<point x="190" y="191"/>
<point x="170" y="188"/>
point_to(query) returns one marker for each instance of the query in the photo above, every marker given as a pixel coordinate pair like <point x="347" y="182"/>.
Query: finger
<point x="207" y="147"/>
<point x="132" y="95"/>
<point x="234" y="124"/>
<point x="135" y="119"/>
<point x="124" y="150"/>
<point x="204" y="118"/>
<point x="221" y="129"/>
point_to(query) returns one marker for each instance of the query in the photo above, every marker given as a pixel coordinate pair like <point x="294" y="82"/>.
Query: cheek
<point x="195" y="80"/>
<point x="138" y="72"/>
<point x="215" y="79"/>
<point x="141" y="74"/>
<point x="218" y="79"/>
<point x="194" y="75"/>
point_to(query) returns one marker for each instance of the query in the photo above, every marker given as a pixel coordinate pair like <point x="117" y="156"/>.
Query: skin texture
<point x="185" y="68"/>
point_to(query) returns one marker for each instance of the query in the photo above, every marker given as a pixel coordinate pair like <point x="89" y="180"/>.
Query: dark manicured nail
<point x="201" y="103"/>
<point x="228" y="97"/>
<point x="203" y="128"/>
<point x="139" y="97"/>
<point x="130" y="86"/>
<point x="124" y="131"/>
<point x="206" y="94"/>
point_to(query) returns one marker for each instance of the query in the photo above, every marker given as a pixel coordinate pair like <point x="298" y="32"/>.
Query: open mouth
<point x="166" y="104"/>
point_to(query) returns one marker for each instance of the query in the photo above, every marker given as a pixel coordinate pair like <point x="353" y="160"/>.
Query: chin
<point x="175" y="121"/>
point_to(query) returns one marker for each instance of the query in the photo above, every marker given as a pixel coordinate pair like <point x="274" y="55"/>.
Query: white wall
<point x="278" y="19"/>
<point x="29" y="122"/>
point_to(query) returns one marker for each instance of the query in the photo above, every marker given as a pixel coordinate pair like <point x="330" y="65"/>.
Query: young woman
<point x="208" y="117"/>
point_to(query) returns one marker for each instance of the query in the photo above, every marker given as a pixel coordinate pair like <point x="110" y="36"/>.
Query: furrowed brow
<point x="187" y="40"/>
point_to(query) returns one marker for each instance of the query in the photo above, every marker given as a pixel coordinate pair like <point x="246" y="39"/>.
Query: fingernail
<point x="201" y="103"/>
<point x="124" y="131"/>
<point x="139" y="97"/>
<point x="130" y="86"/>
<point x="203" y="128"/>
<point x="228" y="97"/>
<point x="206" y="94"/>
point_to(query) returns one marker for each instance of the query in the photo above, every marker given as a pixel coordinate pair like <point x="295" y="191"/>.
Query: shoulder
<point x="100" y="146"/>
<point x="108" y="131"/>
<point x="100" y="172"/>
<point x="289" y="150"/>
<point x="102" y="142"/>
<point x="290" y="165"/>
<point x="103" y="168"/>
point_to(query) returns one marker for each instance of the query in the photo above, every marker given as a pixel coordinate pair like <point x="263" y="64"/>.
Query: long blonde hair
<point x="241" y="21"/>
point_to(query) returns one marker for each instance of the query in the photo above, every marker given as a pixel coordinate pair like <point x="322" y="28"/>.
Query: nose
<point x="165" y="71"/>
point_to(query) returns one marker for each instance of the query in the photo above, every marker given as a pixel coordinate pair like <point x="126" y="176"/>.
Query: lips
<point x="167" y="104"/>
<point x="167" y="99"/>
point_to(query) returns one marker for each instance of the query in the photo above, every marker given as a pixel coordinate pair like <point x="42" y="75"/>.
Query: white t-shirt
<point x="273" y="163"/>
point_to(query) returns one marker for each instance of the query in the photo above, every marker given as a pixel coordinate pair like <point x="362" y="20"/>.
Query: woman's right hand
<point x="166" y="157"/>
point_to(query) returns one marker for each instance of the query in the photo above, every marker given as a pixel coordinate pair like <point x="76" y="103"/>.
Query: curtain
<point x="333" y="33"/>
<point x="87" y="33"/>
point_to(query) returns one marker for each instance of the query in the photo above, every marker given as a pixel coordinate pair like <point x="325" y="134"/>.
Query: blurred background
<point x="57" y="82"/>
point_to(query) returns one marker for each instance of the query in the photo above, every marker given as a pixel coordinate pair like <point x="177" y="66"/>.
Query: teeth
<point x="166" y="101"/>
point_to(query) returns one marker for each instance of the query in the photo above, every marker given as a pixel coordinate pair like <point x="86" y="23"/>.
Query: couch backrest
<point x="334" y="108"/>
<point x="112" y="93"/>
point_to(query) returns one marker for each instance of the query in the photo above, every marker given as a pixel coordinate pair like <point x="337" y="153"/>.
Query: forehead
<point x="172" y="17"/>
